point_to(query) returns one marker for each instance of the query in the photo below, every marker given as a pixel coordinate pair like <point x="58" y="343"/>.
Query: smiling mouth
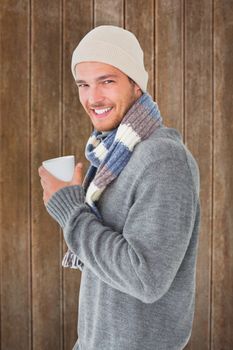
<point x="101" y="112"/>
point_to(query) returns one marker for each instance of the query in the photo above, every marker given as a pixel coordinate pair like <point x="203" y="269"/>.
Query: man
<point x="132" y="225"/>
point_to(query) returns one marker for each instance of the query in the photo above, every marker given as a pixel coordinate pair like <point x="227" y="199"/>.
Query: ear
<point x="138" y="90"/>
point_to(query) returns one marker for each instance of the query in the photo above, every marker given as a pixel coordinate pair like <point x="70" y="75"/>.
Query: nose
<point x="95" y="96"/>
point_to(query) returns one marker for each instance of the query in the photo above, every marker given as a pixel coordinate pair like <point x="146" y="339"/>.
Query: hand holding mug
<point x="55" y="174"/>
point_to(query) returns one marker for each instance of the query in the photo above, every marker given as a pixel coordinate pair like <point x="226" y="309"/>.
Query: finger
<point x="78" y="174"/>
<point x="45" y="173"/>
<point x="45" y="196"/>
<point x="42" y="171"/>
<point x="43" y="183"/>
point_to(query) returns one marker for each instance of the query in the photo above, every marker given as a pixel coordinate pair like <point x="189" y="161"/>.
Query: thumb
<point x="78" y="174"/>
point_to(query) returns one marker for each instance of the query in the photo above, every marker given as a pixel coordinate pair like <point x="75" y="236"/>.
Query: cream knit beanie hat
<point x="115" y="46"/>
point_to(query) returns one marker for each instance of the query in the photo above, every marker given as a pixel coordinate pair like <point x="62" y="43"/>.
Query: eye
<point x="108" y="81"/>
<point x="82" y="85"/>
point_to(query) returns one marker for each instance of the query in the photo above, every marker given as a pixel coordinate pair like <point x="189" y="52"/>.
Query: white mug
<point x="62" y="167"/>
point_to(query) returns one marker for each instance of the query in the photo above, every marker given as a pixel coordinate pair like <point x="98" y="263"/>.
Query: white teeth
<point x="101" y="111"/>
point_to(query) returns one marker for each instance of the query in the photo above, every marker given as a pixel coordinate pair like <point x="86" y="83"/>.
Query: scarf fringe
<point x="71" y="260"/>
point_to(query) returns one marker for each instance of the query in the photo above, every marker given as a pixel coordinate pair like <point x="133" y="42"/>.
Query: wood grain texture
<point x="46" y="143"/>
<point x="222" y="305"/>
<point x="15" y="205"/>
<point x="198" y="138"/>
<point x="169" y="61"/>
<point x="109" y="12"/>
<point x="139" y="18"/>
<point x="76" y="130"/>
<point x="188" y="54"/>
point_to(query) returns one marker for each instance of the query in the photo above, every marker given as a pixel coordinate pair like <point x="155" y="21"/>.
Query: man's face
<point x="105" y="93"/>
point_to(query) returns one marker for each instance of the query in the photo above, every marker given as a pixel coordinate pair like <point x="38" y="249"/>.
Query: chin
<point x="105" y="126"/>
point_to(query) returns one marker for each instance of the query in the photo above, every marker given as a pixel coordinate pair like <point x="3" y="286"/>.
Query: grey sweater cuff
<point x="65" y="202"/>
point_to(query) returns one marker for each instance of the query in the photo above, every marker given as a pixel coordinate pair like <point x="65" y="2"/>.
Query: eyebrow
<point x="102" y="77"/>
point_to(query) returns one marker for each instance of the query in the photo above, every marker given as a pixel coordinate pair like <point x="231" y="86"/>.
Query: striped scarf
<point x="110" y="152"/>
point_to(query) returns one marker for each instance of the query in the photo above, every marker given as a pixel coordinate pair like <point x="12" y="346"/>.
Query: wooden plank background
<point x="188" y="49"/>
